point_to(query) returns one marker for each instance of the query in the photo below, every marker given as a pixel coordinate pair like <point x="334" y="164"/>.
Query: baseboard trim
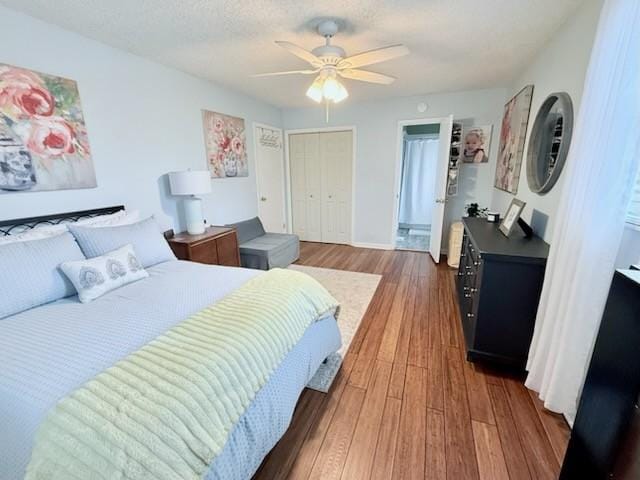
<point x="377" y="246"/>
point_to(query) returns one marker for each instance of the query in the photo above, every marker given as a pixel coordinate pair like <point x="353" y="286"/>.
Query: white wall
<point x="560" y="66"/>
<point x="376" y="137"/>
<point x="143" y="120"/>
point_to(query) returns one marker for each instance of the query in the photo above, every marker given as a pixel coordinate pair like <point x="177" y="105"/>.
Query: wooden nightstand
<point x="216" y="246"/>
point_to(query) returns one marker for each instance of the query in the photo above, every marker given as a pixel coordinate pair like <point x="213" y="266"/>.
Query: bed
<point x="49" y="351"/>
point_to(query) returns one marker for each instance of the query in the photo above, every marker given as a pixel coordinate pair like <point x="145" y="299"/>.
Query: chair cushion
<point x="248" y="229"/>
<point x="270" y="250"/>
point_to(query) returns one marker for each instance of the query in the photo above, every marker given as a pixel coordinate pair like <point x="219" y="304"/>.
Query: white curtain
<point x="417" y="192"/>
<point x="590" y="221"/>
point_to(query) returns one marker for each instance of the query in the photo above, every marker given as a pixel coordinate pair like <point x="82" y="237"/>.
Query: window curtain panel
<point x="601" y="168"/>
<point x="417" y="192"/>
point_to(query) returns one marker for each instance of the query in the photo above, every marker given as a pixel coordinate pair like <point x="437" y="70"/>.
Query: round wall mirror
<point x="549" y="142"/>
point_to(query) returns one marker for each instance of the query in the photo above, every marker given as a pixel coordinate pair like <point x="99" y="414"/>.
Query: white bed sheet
<point x="47" y="352"/>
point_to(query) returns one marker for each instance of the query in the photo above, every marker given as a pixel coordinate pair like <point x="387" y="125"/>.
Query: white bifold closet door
<point x="321" y="171"/>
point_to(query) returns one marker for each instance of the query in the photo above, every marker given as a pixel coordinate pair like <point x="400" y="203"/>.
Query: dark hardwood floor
<point x="406" y="403"/>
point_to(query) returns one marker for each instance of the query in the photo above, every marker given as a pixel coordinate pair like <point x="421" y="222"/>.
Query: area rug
<point x="354" y="291"/>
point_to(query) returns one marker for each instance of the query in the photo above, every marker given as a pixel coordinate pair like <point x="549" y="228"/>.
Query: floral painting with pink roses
<point x="225" y="144"/>
<point x="43" y="138"/>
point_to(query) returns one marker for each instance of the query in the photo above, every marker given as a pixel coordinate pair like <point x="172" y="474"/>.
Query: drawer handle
<point x="467" y="295"/>
<point x="468" y="267"/>
<point x="473" y="290"/>
<point x="470" y="315"/>
<point x="460" y="274"/>
<point x="465" y="288"/>
<point x="470" y="273"/>
<point x="476" y="263"/>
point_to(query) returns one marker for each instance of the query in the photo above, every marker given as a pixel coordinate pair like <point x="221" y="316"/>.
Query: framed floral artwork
<point x="43" y="137"/>
<point x="225" y="144"/>
<point x="512" y="137"/>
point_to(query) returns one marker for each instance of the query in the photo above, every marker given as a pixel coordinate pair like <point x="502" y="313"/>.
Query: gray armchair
<point x="262" y="250"/>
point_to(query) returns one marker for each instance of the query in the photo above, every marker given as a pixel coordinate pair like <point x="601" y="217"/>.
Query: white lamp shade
<point x="190" y="182"/>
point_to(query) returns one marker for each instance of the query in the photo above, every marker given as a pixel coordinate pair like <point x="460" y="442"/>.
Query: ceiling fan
<point x="330" y="62"/>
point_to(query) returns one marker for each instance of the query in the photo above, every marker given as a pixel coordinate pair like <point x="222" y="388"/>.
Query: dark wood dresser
<point x="216" y="246"/>
<point x="605" y="440"/>
<point x="499" y="281"/>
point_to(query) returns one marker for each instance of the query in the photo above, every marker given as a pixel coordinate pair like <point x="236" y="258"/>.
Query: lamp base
<point x="193" y="215"/>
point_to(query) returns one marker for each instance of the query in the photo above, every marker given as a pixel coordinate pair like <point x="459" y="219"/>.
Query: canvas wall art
<point x="225" y="143"/>
<point x="476" y="143"/>
<point x="43" y="138"/>
<point x="512" y="138"/>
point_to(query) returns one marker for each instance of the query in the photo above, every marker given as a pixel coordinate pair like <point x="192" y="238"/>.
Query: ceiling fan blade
<point x="290" y="72"/>
<point x="364" y="76"/>
<point x="373" y="56"/>
<point x="301" y="53"/>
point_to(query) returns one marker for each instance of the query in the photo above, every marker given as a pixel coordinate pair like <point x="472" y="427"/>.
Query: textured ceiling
<point x="455" y="44"/>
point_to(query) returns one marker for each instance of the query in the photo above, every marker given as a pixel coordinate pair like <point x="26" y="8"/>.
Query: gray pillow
<point x="248" y="229"/>
<point x="145" y="237"/>
<point x="29" y="274"/>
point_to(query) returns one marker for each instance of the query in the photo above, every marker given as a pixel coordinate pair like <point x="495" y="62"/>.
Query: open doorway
<point x="421" y="184"/>
<point x="417" y="193"/>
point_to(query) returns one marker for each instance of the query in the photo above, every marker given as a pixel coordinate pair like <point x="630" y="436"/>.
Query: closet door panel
<point x="313" y="186"/>
<point x="337" y="151"/>
<point x="298" y="185"/>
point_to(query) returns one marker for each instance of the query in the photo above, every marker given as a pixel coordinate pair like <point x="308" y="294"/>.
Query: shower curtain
<point x="417" y="187"/>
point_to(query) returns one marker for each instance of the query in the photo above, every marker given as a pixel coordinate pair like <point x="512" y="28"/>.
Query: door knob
<point x="263" y="199"/>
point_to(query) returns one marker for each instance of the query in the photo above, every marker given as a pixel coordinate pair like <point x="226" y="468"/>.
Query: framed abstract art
<point x="225" y="143"/>
<point x="43" y="137"/>
<point x="512" y="138"/>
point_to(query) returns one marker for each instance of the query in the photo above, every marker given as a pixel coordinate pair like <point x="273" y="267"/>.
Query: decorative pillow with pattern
<point x="96" y="276"/>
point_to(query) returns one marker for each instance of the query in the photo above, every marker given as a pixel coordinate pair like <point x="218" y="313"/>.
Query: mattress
<point x="47" y="352"/>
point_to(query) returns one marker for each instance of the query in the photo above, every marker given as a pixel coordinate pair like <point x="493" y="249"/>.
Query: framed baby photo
<point x="512" y="216"/>
<point x="475" y="144"/>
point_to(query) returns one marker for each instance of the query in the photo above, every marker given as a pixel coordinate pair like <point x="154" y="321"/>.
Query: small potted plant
<point x="474" y="210"/>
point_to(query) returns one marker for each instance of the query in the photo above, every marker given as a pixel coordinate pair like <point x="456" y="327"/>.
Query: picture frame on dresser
<point x="512" y="216"/>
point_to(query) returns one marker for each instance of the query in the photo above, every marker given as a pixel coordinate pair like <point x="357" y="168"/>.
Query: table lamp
<point x="191" y="183"/>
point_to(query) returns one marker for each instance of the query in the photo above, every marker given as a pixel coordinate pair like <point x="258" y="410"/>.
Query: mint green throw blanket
<point x="165" y="411"/>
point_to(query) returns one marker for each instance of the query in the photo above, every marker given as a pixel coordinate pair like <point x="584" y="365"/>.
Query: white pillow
<point x="122" y="217"/>
<point x="96" y="276"/>
<point x="37" y="233"/>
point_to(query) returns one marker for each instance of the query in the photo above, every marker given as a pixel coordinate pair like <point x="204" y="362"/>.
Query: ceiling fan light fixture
<point x="334" y="90"/>
<point x="314" y="92"/>
<point x="341" y="94"/>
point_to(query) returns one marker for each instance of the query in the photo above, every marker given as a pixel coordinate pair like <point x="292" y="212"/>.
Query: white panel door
<point x="298" y="185"/>
<point x="446" y="127"/>
<point x="313" y="186"/>
<point x="336" y="151"/>
<point x="270" y="178"/>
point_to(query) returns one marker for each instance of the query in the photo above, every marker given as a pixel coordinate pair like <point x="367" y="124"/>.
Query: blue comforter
<point x="49" y="351"/>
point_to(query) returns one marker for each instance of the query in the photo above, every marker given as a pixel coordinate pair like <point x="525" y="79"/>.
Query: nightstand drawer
<point x="216" y="246"/>
<point x="204" y="253"/>
<point x="227" y="247"/>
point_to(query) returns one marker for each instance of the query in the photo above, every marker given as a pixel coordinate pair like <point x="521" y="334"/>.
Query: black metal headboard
<point x="21" y="224"/>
